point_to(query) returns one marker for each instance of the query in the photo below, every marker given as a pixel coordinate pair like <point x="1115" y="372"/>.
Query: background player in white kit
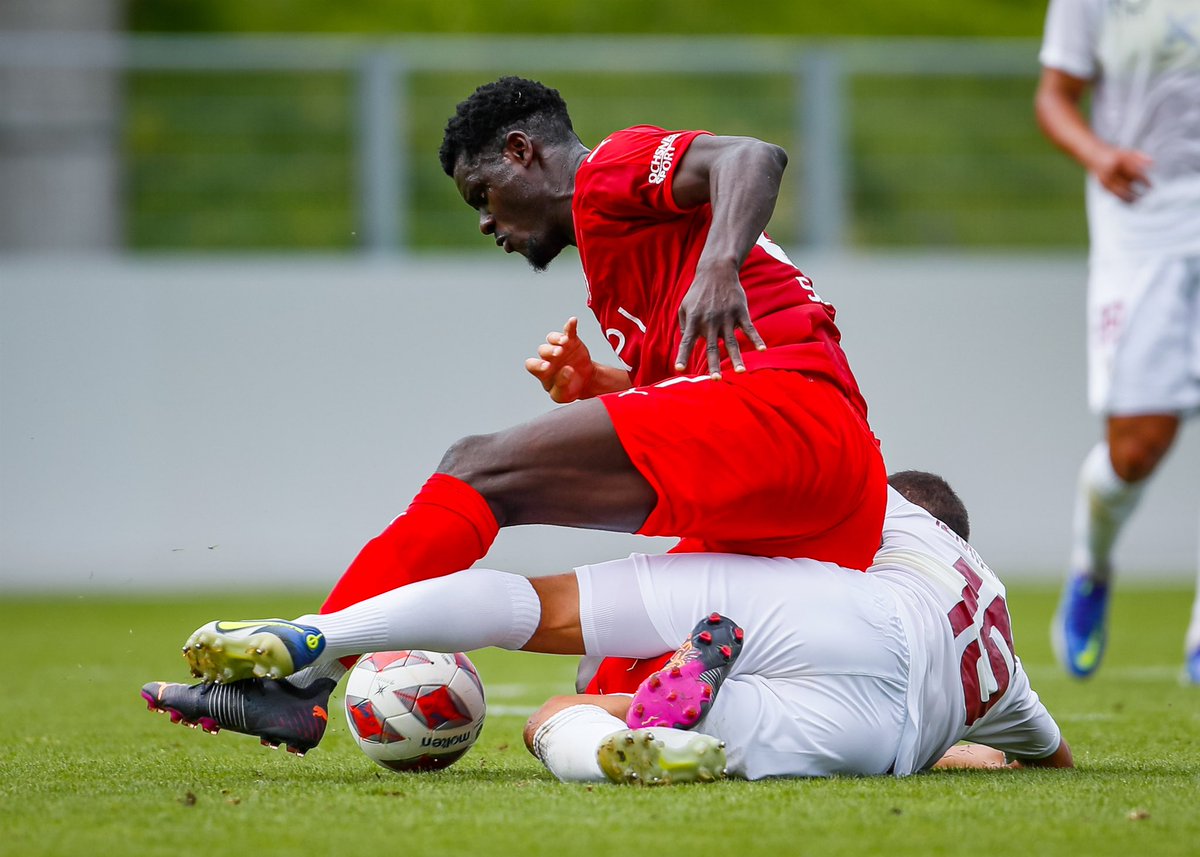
<point x="1141" y="59"/>
<point x="841" y="672"/>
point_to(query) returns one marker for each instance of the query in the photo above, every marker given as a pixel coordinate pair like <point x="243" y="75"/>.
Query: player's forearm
<point x="1062" y="121"/>
<point x="980" y="756"/>
<point x="743" y="188"/>
<point x="971" y="756"/>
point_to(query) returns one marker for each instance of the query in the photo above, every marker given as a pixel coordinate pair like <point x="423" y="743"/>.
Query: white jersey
<point x="1143" y="57"/>
<point x="842" y="672"/>
<point x="964" y="680"/>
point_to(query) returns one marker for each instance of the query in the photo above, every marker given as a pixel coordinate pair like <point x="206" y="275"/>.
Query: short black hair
<point x="933" y="494"/>
<point x="494" y="109"/>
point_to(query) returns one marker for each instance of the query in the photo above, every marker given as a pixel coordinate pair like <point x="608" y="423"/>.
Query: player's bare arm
<point x="973" y="757"/>
<point x="565" y="368"/>
<point x="980" y="756"/>
<point x="1121" y="171"/>
<point x="740" y="178"/>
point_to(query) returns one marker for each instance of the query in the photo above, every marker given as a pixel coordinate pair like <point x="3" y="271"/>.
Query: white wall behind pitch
<point x="172" y="423"/>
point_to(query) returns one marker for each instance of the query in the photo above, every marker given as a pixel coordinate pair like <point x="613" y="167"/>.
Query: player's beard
<point x="539" y="254"/>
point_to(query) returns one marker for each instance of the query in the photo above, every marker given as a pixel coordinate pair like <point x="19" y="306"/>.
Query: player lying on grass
<point x="840" y="673"/>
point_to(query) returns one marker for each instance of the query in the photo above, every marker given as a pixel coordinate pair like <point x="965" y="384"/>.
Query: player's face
<point x="513" y="207"/>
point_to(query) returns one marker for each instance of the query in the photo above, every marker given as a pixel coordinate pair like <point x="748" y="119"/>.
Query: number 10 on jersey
<point x="988" y="660"/>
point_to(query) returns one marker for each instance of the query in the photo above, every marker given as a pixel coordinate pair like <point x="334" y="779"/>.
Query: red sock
<point x="447" y="527"/>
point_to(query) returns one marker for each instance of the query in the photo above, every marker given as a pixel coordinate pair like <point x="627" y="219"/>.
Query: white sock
<point x="461" y="612"/>
<point x="567" y="742"/>
<point x="1103" y="502"/>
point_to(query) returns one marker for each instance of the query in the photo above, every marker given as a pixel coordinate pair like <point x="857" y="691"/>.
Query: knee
<point x="468" y="458"/>
<point x="1135" y="456"/>
<point x="501" y="467"/>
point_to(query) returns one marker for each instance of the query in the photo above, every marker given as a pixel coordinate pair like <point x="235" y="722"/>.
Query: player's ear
<point x="518" y="148"/>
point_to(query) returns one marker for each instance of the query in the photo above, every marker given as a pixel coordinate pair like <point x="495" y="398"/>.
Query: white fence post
<point x="823" y="202"/>
<point x="379" y="149"/>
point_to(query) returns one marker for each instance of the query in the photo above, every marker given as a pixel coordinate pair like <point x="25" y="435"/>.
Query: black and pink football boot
<point x="275" y="712"/>
<point x="680" y="694"/>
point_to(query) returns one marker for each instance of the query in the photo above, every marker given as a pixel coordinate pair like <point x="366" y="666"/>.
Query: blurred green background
<point x="709" y="17"/>
<point x="268" y="159"/>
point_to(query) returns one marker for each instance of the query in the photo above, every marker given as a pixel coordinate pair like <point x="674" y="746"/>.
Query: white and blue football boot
<point x="1079" y="631"/>
<point x="259" y="648"/>
<point x="1191" y="668"/>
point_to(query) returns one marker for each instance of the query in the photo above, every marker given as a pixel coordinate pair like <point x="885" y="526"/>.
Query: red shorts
<point x="624" y="675"/>
<point x="766" y="463"/>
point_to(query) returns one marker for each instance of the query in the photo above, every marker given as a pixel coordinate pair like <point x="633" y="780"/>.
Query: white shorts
<point x="820" y="686"/>
<point x="1144" y="335"/>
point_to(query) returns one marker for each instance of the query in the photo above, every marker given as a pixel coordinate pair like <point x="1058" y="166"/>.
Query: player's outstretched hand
<point x="714" y="310"/>
<point x="1123" y="172"/>
<point x="563" y="365"/>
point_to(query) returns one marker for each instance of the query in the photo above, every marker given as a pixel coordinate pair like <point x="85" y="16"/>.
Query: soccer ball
<point x="414" y="710"/>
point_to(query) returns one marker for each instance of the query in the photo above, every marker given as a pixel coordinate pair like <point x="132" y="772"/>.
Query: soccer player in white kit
<point x="876" y="673"/>
<point x="1141" y="60"/>
<point x="841" y="672"/>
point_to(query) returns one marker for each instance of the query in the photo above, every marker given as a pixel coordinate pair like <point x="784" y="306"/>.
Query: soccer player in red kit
<point x="756" y="443"/>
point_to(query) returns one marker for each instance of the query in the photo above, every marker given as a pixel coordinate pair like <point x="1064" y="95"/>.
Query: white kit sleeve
<point x="1020" y="725"/>
<point x="1071" y="36"/>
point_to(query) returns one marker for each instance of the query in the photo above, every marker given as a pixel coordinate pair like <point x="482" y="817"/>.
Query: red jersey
<point x="639" y="252"/>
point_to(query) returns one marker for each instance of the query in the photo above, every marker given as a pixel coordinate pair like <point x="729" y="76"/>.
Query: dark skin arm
<point x="740" y="178"/>
<point x="1122" y="172"/>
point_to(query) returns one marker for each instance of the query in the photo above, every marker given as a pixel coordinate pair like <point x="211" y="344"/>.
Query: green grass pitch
<point x="86" y="770"/>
